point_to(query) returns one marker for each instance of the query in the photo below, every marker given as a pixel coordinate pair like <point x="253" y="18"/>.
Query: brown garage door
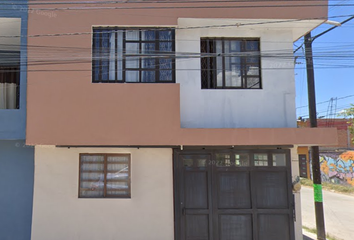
<point x="233" y="195"/>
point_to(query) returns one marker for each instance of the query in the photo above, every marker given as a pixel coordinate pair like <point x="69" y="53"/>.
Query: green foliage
<point x="349" y="113"/>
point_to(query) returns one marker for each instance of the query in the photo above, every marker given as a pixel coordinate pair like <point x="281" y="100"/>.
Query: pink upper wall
<point x="65" y="108"/>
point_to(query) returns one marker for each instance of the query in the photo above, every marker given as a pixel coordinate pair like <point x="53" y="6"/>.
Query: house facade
<point x="167" y="120"/>
<point x="16" y="158"/>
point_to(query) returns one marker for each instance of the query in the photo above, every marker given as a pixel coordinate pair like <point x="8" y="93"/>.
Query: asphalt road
<point x="339" y="213"/>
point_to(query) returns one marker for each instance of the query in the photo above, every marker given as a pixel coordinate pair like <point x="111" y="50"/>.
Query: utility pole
<point x="315" y="155"/>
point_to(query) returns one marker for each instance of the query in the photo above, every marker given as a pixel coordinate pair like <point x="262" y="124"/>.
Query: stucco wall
<point x="60" y="214"/>
<point x="270" y="107"/>
<point x="16" y="190"/>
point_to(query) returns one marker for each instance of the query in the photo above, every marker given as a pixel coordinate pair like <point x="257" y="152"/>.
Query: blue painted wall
<point x="13" y="121"/>
<point x="16" y="190"/>
<point x="16" y="159"/>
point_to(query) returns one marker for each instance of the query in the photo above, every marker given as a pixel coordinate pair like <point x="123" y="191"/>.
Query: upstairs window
<point x="133" y="55"/>
<point x="230" y="63"/>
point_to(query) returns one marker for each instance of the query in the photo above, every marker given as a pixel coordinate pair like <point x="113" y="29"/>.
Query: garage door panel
<point x="197" y="227"/>
<point x="196" y="190"/>
<point x="232" y="227"/>
<point x="234" y="190"/>
<point x="271" y="189"/>
<point x="273" y="226"/>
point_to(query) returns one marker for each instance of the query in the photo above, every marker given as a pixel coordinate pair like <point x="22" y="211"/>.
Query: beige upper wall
<point x="59" y="214"/>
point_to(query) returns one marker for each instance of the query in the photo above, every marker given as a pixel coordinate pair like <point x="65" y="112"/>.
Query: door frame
<point x="211" y="152"/>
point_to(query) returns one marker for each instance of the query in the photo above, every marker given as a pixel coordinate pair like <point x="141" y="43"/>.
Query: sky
<point x="333" y="77"/>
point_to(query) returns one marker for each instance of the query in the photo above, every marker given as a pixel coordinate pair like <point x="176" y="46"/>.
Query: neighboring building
<point x="154" y="124"/>
<point x="342" y="125"/>
<point x="337" y="161"/>
<point x="16" y="159"/>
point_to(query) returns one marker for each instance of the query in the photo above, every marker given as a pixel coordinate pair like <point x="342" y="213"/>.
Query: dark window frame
<point x="140" y="41"/>
<point x="210" y="61"/>
<point x="106" y="155"/>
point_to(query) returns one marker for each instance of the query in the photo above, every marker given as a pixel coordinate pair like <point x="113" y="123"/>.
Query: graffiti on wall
<point x="338" y="167"/>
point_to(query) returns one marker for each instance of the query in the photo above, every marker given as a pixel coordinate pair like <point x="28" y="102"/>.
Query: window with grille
<point x="133" y="55"/>
<point x="104" y="176"/>
<point x="230" y="63"/>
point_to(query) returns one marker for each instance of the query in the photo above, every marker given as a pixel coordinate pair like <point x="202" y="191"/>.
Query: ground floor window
<point x="104" y="176"/>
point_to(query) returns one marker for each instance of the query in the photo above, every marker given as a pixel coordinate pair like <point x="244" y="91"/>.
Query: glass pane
<point x="188" y="162"/>
<point x="253" y="70"/>
<point x="261" y="159"/>
<point x="92" y="166"/>
<point x="253" y="82"/>
<point x="279" y="159"/>
<point x="92" y="176"/>
<point x="148" y="63"/>
<point x="148" y="48"/>
<point x="91" y="194"/>
<point x="92" y="158"/>
<point x="112" y="57"/>
<point x="165" y="46"/>
<point x="132" y="76"/>
<point x="92" y="185"/>
<point x="242" y="160"/>
<point x="148" y="76"/>
<point x="106" y="36"/>
<point x="232" y="74"/>
<point x="120" y="55"/>
<point x="118" y="159"/>
<point x="234" y="46"/>
<point x="117" y="186"/>
<point x="148" y="35"/>
<point x="96" y="54"/>
<point x="165" y="35"/>
<point x="166" y="75"/>
<point x="165" y="63"/>
<point x="118" y="193"/>
<point x="132" y="48"/>
<point x="252" y="45"/>
<point x="223" y="160"/>
<point x="120" y="167"/>
<point x="201" y="162"/>
<point x="132" y="62"/>
<point x="132" y="35"/>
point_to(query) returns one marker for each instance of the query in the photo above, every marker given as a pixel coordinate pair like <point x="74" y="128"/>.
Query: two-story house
<point x="16" y="159"/>
<point x="167" y="120"/>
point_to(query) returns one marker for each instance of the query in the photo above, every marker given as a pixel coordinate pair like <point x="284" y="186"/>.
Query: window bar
<point x="123" y="56"/>
<point x="105" y="175"/>
<point x="223" y="64"/>
<point x="157" y="60"/>
<point x="140" y="58"/>
<point x="214" y="66"/>
<point x="243" y="65"/>
<point x="173" y="71"/>
<point x="100" y="61"/>
<point x="116" y="54"/>
<point x="207" y="45"/>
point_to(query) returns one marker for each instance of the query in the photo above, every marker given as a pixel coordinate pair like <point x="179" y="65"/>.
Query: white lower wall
<point x="59" y="214"/>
